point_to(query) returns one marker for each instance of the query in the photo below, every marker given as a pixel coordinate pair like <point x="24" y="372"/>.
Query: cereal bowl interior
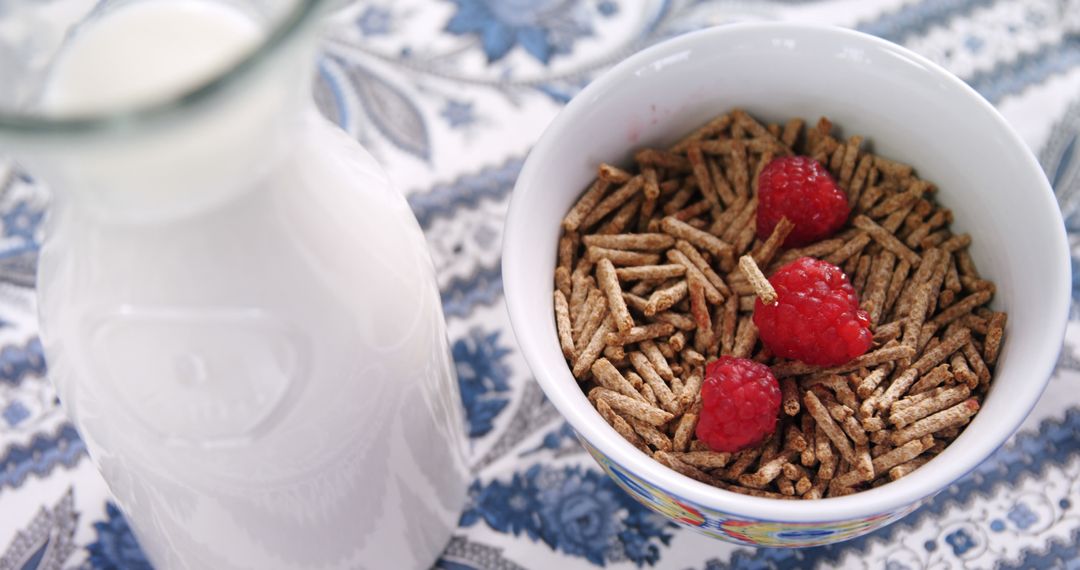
<point x="912" y="111"/>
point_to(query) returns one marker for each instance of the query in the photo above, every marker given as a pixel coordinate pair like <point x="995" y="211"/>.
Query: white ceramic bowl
<point x="913" y="111"/>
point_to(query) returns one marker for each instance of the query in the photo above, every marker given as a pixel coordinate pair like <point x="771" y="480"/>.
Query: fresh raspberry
<point x="740" y="400"/>
<point x="800" y="188"/>
<point x="816" y="316"/>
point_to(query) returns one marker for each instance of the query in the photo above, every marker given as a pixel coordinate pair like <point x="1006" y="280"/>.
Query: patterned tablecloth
<point x="449" y="95"/>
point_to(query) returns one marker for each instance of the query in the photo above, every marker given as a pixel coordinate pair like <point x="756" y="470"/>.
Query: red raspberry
<point x="800" y="188"/>
<point x="816" y="317"/>
<point x="740" y="400"/>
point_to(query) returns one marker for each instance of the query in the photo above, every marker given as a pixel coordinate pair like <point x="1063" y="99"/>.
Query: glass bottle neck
<point x="201" y="150"/>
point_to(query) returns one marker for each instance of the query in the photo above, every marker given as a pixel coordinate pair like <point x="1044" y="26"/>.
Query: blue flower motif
<point x="115" y="548"/>
<point x="506" y="507"/>
<point x="960" y="541"/>
<point x="573" y="510"/>
<point x="14" y="413"/>
<point x="375" y="21"/>
<point x="579" y="515"/>
<point x="543" y="28"/>
<point x="481" y="375"/>
<point x="607" y="8"/>
<point x="1022" y="516"/>
<point x="22" y="221"/>
<point x="458" y="113"/>
<point x="642" y="525"/>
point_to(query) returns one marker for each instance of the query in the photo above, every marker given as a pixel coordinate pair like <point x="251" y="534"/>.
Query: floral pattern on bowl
<point x="739" y="530"/>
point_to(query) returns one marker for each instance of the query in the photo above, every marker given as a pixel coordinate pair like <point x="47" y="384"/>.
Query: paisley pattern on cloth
<point x="449" y="95"/>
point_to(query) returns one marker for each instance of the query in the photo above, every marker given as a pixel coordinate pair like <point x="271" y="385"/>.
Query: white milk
<point x="145" y="52"/>
<point x="262" y="378"/>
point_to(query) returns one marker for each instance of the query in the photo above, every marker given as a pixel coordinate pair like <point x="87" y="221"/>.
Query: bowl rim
<point x="888" y="498"/>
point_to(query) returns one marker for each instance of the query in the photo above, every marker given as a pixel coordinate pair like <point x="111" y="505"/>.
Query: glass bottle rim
<point x="129" y="118"/>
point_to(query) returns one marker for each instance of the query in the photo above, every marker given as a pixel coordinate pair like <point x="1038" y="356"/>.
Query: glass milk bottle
<point x="239" y="313"/>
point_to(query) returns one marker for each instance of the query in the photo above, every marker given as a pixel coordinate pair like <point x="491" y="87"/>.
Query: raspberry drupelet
<point x="800" y="188"/>
<point x="740" y="400"/>
<point x="816" y="318"/>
